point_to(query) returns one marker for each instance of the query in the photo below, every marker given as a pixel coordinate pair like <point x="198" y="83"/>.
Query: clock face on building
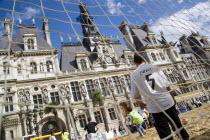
<point x="108" y="59"/>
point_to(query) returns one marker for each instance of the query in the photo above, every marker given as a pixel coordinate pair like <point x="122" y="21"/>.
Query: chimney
<point x="7" y="26"/>
<point x="46" y="31"/>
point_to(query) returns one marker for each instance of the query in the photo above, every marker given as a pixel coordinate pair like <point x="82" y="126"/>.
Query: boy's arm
<point x="169" y="89"/>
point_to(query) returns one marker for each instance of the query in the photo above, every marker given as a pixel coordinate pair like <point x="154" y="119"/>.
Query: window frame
<point x="37" y="99"/>
<point x="98" y="117"/>
<point x="112" y="114"/>
<point x="117" y="84"/>
<point x="82" y="120"/>
<point x="55" y="98"/>
<point x="9" y="107"/>
<point x="77" y="96"/>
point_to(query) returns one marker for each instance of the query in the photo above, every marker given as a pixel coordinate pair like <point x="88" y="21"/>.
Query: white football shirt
<point x="149" y="82"/>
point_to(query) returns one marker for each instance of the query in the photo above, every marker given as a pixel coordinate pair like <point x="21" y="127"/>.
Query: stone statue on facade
<point x="82" y="89"/>
<point x="45" y="95"/>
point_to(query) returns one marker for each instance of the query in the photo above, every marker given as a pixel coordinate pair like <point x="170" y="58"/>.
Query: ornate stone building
<point x="35" y="79"/>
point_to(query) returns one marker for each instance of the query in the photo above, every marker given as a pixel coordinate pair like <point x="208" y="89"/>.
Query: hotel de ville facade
<point x="35" y="76"/>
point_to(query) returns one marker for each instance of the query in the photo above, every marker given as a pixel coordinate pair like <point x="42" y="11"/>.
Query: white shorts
<point x="92" y="136"/>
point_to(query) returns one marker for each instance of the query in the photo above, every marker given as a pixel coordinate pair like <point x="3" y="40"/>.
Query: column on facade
<point x="125" y="90"/>
<point x="84" y="95"/>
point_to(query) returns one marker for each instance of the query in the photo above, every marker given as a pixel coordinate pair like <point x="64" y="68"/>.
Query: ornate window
<point x="90" y="87"/>
<point x="37" y="100"/>
<point x="98" y="117"/>
<point x="9" y="107"/>
<point x="41" y="67"/>
<point x="55" y="97"/>
<point x="5" y="68"/>
<point x="162" y="56"/>
<point x="76" y="91"/>
<point x="130" y="59"/>
<point x="83" y="64"/>
<point x="104" y="86"/>
<point x="49" y="66"/>
<point x="82" y="120"/>
<point x="30" y="44"/>
<point x="117" y="85"/>
<point x="33" y="67"/>
<point x="154" y="40"/>
<point x="19" y="70"/>
<point x="112" y="114"/>
<point x="153" y="57"/>
<point x="127" y="81"/>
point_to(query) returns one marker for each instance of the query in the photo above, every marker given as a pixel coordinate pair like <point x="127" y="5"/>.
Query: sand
<point x="198" y="126"/>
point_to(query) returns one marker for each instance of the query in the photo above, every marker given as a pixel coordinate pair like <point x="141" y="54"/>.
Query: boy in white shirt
<point x="149" y="82"/>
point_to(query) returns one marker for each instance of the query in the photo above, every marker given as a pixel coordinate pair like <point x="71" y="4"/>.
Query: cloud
<point x="131" y="10"/>
<point x="114" y="8"/>
<point x="30" y="11"/>
<point x="184" y="21"/>
<point x="180" y="1"/>
<point x="141" y="1"/>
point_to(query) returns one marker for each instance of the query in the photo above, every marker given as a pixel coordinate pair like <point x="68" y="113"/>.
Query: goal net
<point x="64" y="61"/>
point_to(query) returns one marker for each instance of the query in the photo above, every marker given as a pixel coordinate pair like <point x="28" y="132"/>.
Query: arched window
<point x="153" y="57"/>
<point x="33" y="67"/>
<point x="30" y="44"/>
<point x="19" y="70"/>
<point x="49" y="66"/>
<point x="162" y="56"/>
<point x="176" y="54"/>
<point x="41" y="67"/>
<point x="6" y="68"/>
<point x="83" y="64"/>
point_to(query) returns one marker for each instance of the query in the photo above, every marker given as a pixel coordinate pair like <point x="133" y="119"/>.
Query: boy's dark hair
<point x="52" y="132"/>
<point x="129" y="109"/>
<point x="138" y="59"/>
<point x="89" y="119"/>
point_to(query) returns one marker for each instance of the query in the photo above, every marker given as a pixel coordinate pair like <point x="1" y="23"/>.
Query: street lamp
<point x="32" y="116"/>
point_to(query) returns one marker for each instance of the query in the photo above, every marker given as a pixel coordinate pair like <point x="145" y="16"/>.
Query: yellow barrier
<point x="46" y="136"/>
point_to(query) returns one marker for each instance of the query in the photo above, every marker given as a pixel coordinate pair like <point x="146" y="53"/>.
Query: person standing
<point x="64" y="135"/>
<point x="137" y="119"/>
<point x="148" y="82"/>
<point x="52" y="137"/>
<point x="91" y="128"/>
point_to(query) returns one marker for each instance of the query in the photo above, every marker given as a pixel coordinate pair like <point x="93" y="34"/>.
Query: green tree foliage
<point x="97" y="98"/>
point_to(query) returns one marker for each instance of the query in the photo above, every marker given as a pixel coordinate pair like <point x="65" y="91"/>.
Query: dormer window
<point x="162" y="56"/>
<point x="154" y="40"/>
<point x="6" y="68"/>
<point x="83" y="64"/>
<point x="130" y="59"/>
<point x="30" y="44"/>
<point x="153" y="57"/>
<point x="49" y="66"/>
<point x="33" y="67"/>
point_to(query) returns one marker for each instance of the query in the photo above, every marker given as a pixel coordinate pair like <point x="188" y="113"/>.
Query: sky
<point x="173" y="17"/>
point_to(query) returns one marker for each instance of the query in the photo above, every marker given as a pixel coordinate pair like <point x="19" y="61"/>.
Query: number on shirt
<point x="150" y="79"/>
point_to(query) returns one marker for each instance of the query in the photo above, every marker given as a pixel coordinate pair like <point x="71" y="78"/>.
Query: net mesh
<point x="64" y="51"/>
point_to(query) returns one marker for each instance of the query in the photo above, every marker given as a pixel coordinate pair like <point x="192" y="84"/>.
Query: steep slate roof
<point x="69" y="51"/>
<point x="68" y="56"/>
<point x="3" y="42"/>
<point x="41" y="42"/>
<point x="140" y="34"/>
<point x="118" y="49"/>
